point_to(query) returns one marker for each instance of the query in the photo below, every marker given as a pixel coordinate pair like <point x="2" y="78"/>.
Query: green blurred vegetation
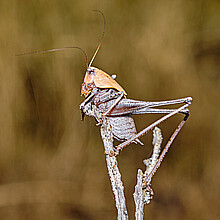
<point x="52" y="165"/>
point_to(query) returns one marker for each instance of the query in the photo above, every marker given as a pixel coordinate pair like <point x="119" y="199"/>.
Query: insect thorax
<point x="105" y="95"/>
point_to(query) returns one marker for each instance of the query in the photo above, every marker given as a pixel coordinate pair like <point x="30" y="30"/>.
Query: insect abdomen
<point x="123" y="128"/>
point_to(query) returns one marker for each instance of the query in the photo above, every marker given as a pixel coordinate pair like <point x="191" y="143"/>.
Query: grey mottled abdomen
<point x="123" y="128"/>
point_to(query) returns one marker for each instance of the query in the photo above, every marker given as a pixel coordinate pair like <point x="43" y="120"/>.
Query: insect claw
<point x="186" y="117"/>
<point x="189" y="100"/>
<point x="113" y="153"/>
<point x="116" y="153"/>
<point x="99" y="123"/>
<point x="81" y="107"/>
<point x="82" y="116"/>
<point x="101" y="120"/>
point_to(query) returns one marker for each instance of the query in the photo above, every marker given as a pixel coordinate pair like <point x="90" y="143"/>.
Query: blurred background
<point x="52" y="165"/>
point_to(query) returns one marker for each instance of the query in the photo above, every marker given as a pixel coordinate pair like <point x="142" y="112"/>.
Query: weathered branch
<point x="112" y="165"/>
<point x="143" y="192"/>
<point x="143" y="195"/>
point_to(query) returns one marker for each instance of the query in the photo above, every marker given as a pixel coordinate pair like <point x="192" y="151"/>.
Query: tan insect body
<point x="101" y="80"/>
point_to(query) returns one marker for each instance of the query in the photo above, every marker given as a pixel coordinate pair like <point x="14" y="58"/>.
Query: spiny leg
<point x="82" y="105"/>
<point x="170" y="102"/>
<point x="150" y="127"/>
<point x="129" y="106"/>
<point x="165" y="150"/>
<point x="86" y="100"/>
<point x="111" y="107"/>
<point x="157" y="111"/>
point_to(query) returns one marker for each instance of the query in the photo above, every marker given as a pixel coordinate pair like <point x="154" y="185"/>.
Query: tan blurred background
<point x="52" y="165"/>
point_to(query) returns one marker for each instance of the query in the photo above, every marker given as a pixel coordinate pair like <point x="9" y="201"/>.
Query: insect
<point x="101" y="89"/>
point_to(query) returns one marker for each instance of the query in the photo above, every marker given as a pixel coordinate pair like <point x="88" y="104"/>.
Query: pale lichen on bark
<point x="143" y="192"/>
<point x="112" y="165"/>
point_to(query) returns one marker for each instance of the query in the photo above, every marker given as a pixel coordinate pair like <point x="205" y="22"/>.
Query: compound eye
<point x="90" y="71"/>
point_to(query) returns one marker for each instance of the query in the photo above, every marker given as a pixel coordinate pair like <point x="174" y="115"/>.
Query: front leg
<point x="111" y="107"/>
<point x="82" y="105"/>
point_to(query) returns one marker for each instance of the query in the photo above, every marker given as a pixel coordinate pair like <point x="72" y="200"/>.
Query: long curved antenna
<point x="103" y="33"/>
<point x="53" y="50"/>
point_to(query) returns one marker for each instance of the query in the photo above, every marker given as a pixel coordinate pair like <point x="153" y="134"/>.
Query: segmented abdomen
<point x="123" y="128"/>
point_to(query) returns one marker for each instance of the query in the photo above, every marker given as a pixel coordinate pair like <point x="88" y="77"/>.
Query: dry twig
<point x="143" y="192"/>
